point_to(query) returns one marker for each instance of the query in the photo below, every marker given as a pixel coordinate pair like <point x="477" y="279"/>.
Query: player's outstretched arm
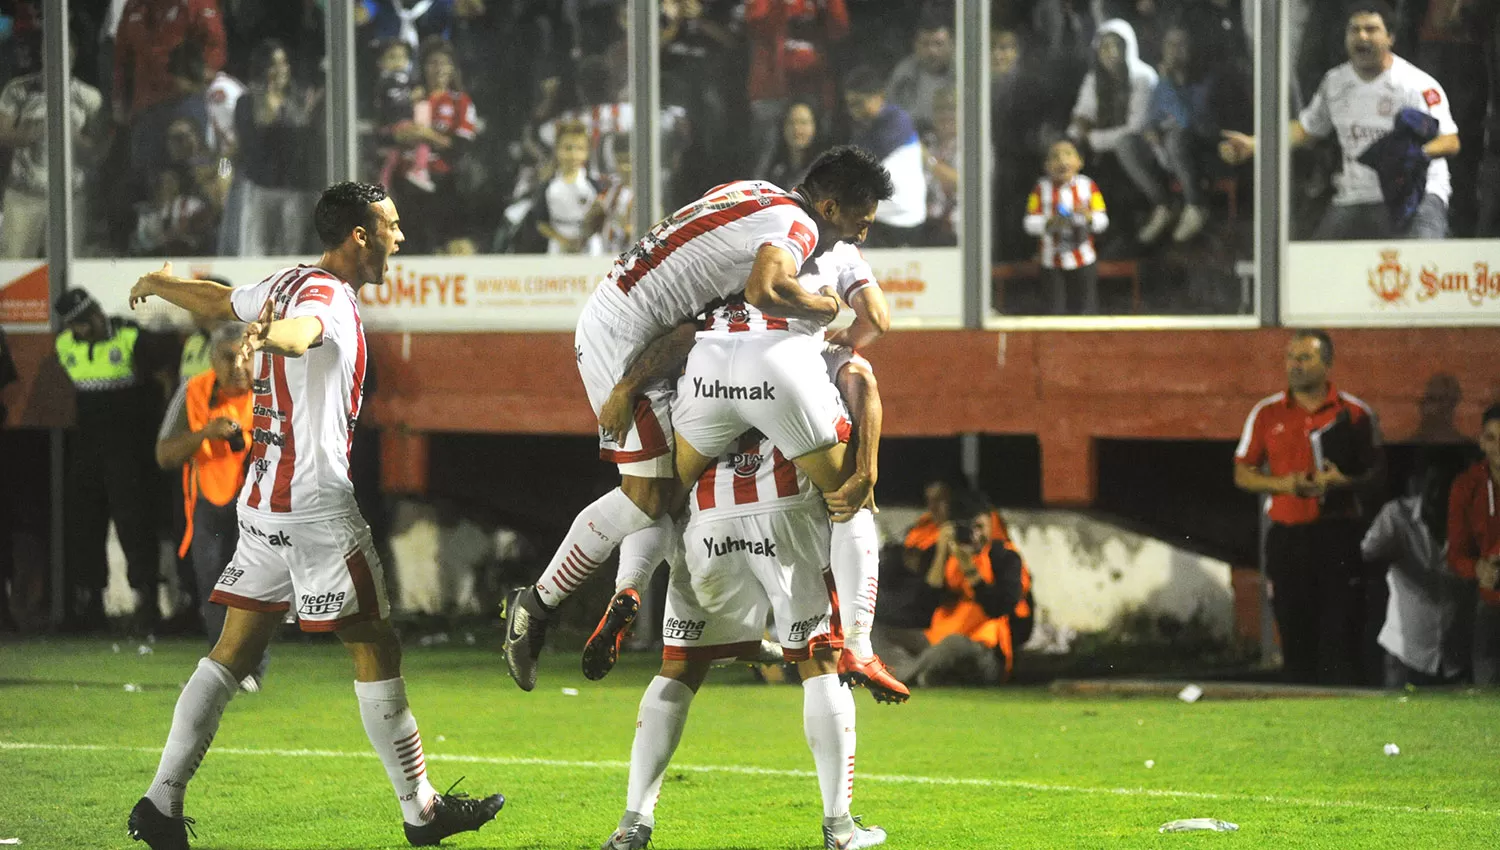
<point x="199" y="297"/>
<point x="661" y="360"/>
<point x="286" y="337"/>
<point x="773" y="289"/>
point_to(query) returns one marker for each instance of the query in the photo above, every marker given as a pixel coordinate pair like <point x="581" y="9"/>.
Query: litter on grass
<point x="1191" y="693"/>
<point x="570" y="692"/>
<point x="1392" y="750"/>
<point x="1199" y="825"/>
<point x="133" y="688"/>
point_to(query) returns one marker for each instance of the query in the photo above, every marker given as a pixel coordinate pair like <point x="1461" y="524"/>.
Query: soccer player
<point x="748" y="236"/>
<point x="756" y="543"/>
<point x="301" y="535"/>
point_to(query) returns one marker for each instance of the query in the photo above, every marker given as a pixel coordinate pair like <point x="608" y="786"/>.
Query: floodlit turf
<point x="952" y="769"/>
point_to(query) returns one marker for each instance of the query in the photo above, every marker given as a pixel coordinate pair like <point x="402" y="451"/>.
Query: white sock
<point x="828" y="722"/>
<point x="855" y="559"/>
<point x="194" y="722"/>
<point x="642" y="552"/>
<point x="658" y="728"/>
<point x="393" y="731"/>
<point x="596" y="532"/>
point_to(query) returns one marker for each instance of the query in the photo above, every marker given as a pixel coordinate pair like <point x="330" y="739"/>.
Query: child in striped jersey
<point x="1066" y="210"/>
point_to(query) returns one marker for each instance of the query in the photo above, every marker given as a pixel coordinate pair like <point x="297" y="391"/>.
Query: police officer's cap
<point x="73" y="304"/>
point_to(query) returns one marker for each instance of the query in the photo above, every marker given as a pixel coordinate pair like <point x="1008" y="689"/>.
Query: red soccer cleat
<point x="874" y="675"/>
<point x="603" y="648"/>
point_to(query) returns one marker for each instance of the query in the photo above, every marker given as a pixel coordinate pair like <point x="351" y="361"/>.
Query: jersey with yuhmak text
<point x="305" y="407"/>
<point x="752" y="477"/>
<point x="704" y="252"/>
<point x="842" y="267"/>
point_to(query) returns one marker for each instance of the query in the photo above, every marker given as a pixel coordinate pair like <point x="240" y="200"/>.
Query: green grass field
<point x="952" y="769"/>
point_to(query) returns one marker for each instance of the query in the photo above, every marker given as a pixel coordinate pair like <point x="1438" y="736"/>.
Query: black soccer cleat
<point x="525" y="633"/>
<point x="454" y="813"/>
<point x="603" y="648"/>
<point x="159" y="831"/>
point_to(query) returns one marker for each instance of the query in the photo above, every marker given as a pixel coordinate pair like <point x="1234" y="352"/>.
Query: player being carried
<point x="756" y="543"/>
<point x="745" y="237"/>
<point x="302" y="538"/>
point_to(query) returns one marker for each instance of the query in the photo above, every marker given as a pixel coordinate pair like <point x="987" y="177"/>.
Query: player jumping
<point x="301" y="535"/>
<point x="749" y="237"/>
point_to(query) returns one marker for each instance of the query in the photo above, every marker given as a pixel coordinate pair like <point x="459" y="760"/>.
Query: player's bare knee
<point x="654" y="496"/>
<point x="822" y="663"/>
<point x="375" y="649"/>
<point x="690" y="673"/>
<point x="856" y="379"/>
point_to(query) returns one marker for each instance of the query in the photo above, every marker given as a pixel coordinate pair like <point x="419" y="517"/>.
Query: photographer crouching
<point x="984" y="594"/>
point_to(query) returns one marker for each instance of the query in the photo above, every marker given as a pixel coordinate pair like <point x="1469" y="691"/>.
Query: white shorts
<point x="738" y="570"/>
<point x="329" y="567"/>
<point x="777" y="384"/>
<point x="604" y="347"/>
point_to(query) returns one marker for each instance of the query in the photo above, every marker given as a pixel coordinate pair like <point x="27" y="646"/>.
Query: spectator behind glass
<point x="790" y="41"/>
<point x="917" y="81"/>
<point x="148" y="33"/>
<point x="800" y="143"/>
<point x="1066" y="210"/>
<point x="886" y="130"/>
<point x="1409" y="538"/>
<point x="409" y="21"/>
<point x="569" y="213"/>
<point x="274" y="121"/>
<point x="1177" y="131"/>
<point x="941" y="167"/>
<point x="399" y="105"/>
<point x="183" y="216"/>
<point x="1112" y="102"/>
<point x="1362" y="100"/>
<point x="433" y="217"/>
<point x="23" y="135"/>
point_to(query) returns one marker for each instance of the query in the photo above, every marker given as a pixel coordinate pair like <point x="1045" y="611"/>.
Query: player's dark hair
<point x="1490" y="414"/>
<point x="851" y="176"/>
<point x="865" y="80"/>
<point x="968" y="505"/>
<point x="1325" y="342"/>
<point x="1372" y="7"/>
<point x="343" y="207"/>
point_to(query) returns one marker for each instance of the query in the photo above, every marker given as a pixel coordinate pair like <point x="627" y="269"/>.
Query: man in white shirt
<point x="1360" y="100"/>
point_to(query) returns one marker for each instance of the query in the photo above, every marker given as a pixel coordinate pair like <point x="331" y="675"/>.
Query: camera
<point x="963" y="533"/>
<point x="237" y="440"/>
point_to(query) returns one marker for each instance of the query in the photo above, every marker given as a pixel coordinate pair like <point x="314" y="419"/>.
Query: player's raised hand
<point x="257" y="331"/>
<point x="145" y="285"/>
<point x="617" y="416"/>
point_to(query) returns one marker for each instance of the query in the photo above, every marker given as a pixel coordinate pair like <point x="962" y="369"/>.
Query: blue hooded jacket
<point x="1398" y="159"/>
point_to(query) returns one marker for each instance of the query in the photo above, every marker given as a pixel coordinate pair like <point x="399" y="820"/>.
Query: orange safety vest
<point x="215" y="471"/>
<point x="923" y="535"/>
<point x="966" y="616"/>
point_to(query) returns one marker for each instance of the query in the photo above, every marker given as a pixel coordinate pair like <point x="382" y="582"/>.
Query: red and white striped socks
<point x="854" y="557"/>
<point x="393" y="731"/>
<point x="194" y="722"/>
<point x="828" y="722"/>
<point x="595" y="534"/>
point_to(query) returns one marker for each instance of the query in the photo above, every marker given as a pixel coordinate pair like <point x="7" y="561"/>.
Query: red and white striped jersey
<point x="704" y="252"/>
<point x="753" y="477"/>
<point x="841" y="267"/>
<point x="305" y="407"/>
<point x="1080" y="202"/>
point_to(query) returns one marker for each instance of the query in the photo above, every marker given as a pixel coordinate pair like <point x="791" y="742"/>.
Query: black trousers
<point x="119" y="484"/>
<point x="1318" y="598"/>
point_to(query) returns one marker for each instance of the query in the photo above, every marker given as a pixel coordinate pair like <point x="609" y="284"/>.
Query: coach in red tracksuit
<point x="1474" y="544"/>
<point x="1312" y="549"/>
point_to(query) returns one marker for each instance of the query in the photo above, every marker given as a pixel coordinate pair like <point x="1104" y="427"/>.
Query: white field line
<point x="744" y="770"/>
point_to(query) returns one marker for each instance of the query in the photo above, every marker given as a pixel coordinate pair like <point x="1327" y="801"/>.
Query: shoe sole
<point x="880" y="692"/>
<point x="603" y="648"/>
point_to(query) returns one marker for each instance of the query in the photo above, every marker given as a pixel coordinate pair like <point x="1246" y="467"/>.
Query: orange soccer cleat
<point x="874" y="675"/>
<point x="603" y="648"/>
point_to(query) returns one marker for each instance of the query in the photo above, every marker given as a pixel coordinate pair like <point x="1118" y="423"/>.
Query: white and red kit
<point x="301" y="534"/>
<point x="1077" y="200"/>
<point x="699" y="254"/>
<point x="749" y="370"/>
<point x="756" y="543"/>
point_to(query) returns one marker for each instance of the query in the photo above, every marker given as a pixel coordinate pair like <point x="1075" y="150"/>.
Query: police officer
<point x="112" y="473"/>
